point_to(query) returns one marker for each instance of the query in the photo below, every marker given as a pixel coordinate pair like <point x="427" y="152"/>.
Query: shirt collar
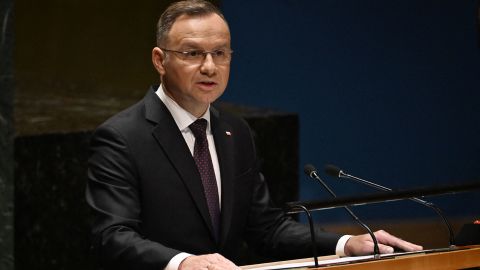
<point x="182" y="118"/>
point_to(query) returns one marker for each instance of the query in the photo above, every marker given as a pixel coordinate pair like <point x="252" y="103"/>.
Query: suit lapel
<point x="171" y="140"/>
<point x="222" y="134"/>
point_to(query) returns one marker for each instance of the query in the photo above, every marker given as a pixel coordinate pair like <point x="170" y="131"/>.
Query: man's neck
<point x="194" y="110"/>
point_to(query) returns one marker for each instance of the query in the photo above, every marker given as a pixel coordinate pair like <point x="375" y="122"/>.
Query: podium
<point x="468" y="258"/>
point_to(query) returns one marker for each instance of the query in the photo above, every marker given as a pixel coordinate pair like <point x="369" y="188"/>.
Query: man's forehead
<point x="203" y="25"/>
<point x="199" y="31"/>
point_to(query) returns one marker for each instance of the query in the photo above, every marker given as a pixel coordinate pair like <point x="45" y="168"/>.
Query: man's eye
<point x="219" y="53"/>
<point x="194" y="53"/>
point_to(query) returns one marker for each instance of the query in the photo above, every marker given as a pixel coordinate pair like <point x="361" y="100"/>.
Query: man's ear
<point x="158" y="57"/>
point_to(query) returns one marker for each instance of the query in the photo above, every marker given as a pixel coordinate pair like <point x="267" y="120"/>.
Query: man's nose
<point x="208" y="67"/>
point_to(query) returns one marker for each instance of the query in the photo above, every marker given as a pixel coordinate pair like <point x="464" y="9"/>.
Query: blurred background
<point x="387" y="90"/>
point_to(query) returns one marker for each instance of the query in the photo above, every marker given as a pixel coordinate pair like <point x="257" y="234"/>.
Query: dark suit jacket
<point x="148" y="198"/>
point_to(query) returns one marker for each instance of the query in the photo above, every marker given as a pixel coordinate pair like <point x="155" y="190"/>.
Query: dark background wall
<point x="76" y="62"/>
<point x="388" y="90"/>
<point x="6" y="135"/>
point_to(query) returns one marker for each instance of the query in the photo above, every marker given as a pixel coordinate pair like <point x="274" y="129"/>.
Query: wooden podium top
<point x="453" y="259"/>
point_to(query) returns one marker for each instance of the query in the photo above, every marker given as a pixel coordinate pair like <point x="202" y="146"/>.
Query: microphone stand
<point x="312" y="232"/>
<point x="439" y="212"/>
<point x="376" y="250"/>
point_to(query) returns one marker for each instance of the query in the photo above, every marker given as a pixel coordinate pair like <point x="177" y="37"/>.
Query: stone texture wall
<point x="6" y="135"/>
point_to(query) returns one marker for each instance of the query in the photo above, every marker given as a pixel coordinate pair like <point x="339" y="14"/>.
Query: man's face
<point x="194" y="85"/>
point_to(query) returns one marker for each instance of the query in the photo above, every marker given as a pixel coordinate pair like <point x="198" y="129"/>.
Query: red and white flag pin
<point x="228" y="133"/>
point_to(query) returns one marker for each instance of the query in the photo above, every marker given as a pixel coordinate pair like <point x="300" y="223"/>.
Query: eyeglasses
<point x="219" y="57"/>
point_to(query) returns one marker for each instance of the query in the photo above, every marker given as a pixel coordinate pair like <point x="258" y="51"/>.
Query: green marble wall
<point x="52" y="218"/>
<point x="6" y="136"/>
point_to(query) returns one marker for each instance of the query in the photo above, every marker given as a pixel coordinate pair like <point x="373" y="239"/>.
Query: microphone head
<point x="332" y="170"/>
<point x="309" y="170"/>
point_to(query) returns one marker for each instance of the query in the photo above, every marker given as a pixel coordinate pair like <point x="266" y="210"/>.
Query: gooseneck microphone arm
<point x="311" y="172"/>
<point x="337" y="172"/>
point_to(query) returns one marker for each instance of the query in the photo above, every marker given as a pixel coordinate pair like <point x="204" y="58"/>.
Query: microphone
<point x="310" y="170"/>
<point x="337" y="172"/>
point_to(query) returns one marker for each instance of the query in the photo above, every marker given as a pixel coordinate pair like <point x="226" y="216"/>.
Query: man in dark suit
<point x="174" y="182"/>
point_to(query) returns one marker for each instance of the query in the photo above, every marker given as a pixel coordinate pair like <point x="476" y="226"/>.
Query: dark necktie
<point x="202" y="158"/>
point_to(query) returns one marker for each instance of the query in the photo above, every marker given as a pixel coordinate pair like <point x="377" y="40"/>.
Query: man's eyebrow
<point x="190" y="45"/>
<point x="194" y="45"/>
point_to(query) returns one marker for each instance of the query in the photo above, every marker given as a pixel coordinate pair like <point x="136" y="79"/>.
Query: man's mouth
<point x="207" y="83"/>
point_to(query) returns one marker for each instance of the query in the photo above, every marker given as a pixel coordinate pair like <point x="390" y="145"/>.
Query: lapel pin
<point x="228" y="133"/>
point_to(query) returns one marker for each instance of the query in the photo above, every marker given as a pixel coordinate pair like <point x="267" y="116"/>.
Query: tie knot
<point x="199" y="128"/>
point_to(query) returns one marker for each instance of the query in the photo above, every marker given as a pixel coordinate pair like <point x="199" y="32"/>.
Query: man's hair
<point x="177" y="9"/>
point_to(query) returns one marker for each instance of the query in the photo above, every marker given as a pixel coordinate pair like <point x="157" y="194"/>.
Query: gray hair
<point x="177" y="9"/>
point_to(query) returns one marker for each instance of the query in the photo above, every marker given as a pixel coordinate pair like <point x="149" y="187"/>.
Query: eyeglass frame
<point x="203" y="53"/>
